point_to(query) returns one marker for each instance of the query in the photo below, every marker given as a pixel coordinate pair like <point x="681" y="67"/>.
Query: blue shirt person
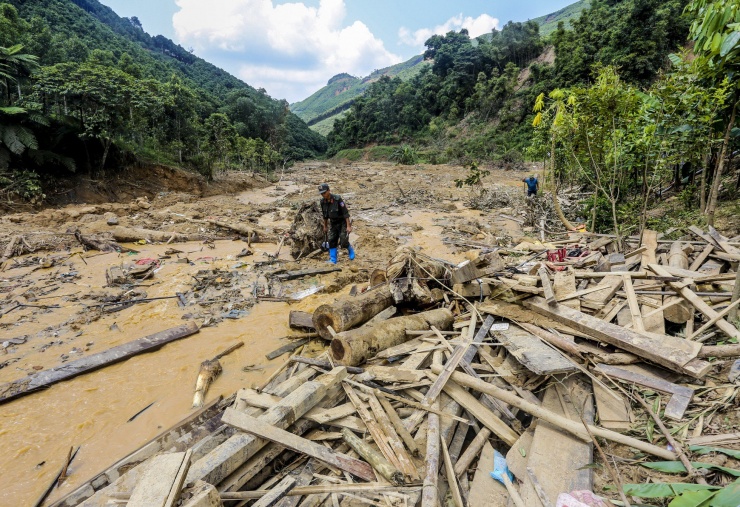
<point x="532" y="185"/>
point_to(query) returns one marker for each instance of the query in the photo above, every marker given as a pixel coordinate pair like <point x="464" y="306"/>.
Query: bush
<point x="405" y="155"/>
<point x="21" y="183"/>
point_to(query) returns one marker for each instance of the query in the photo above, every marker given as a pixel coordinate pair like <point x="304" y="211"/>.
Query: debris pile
<point x="503" y="379"/>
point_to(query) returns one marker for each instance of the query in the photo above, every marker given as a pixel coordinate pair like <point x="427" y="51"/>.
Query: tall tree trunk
<point x="554" y="184"/>
<point x="703" y="181"/>
<point x="712" y="203"/>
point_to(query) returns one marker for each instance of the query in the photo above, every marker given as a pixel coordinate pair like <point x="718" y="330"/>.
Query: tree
<point x="220" y="136"/>
<point x="715" y="29"/>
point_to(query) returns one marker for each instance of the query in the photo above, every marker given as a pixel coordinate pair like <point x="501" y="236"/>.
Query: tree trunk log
<point x="376" y="460"/>
<point x="714" y="192"/>
<point x="132" y="235"/>
<point x="350" y="311"/>
<point x="354" y="347"/>
<point x="679" y="313"/>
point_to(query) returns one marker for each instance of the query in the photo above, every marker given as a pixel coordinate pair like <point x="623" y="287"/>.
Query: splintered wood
<point x="539" y="369"/>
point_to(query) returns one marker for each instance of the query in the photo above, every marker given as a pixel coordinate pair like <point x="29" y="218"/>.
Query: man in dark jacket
<point x="336" y="222"/>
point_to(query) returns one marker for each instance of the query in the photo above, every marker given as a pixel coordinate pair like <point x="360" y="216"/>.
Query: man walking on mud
<point x="336" y="222"/>
<point x="531" y="186"/>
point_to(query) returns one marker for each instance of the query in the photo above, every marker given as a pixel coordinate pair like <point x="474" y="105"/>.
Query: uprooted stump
<point x="307" y="231"/>
<point x="413" y="277"/>
<point x="350" y="311"/>
<point x="354" y="347"/>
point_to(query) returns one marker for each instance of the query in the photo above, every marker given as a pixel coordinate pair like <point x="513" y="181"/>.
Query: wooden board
<point x="654" y="323"/>
<point x="530" y="351"/>
<point x="290" y="347"/>
<point x="564" y="285"/>
<point x="161" y="481"/>
<point x="262" y="429"/>
<point x="614" y="413"/>
<point x="298" y="319"/>
<point x="677" y="405"/>
<point x="557" y="458"/>
<point x="485" y="491"/>
<point x="291" y="275"/>
<point x="672" y="352"/>
<point x="465" y="273"/>
<point x="45" y="378"/>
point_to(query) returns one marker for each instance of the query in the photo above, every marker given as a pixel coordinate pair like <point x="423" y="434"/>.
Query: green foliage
<point x="22" y="183"/>
<point x="104" y="86"/>
<point x="405" y="155"/>
<point x="474" y="178"/>
<point x="381" y="153"/>
<point x="351" y="155"/>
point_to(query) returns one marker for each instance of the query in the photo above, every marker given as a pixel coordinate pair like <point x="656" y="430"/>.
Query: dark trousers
<point x="338" y="234"/>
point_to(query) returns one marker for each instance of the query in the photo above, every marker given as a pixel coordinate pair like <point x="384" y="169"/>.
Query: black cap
<point x="323" y="188"/>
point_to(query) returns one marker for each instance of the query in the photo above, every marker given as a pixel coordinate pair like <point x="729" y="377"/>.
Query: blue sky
<point x="292" y="48"/>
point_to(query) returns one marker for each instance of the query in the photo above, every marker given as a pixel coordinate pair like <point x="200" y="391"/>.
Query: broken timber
<point x="674" y="353"/>
<point x="45" y="378"/>
<point x="534" y="354"/>
<point x="265" y="430"/>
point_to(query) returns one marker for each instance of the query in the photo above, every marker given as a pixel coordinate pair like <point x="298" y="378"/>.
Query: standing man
<point x="336" y="222"/>
<point x="531" y="185"/>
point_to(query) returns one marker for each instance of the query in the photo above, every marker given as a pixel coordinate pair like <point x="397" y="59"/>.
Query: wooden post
<point x="429" y="496"/>
<point x="677" y="258"/>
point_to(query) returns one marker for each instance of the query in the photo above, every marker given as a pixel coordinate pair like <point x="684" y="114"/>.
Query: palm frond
<point x="17" y="138"/>
<point x="45" y="157"/>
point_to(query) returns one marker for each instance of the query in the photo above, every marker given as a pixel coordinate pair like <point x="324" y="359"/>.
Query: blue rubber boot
<point x="333" y="255"/>
<point x="351" y="252"/>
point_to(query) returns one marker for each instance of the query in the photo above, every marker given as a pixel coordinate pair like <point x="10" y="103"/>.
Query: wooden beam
<point x="547" y="286"/>
<point x="674" y="353"/>
<point x="531" y="352"/>
<point x="267" y="431"/>
<point x="633" y="304"/>
<point x="699" y="304"/>
<point x="46" y="378"/>
<point x="160" y="484"/>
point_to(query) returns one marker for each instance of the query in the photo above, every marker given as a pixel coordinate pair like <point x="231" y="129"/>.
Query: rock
<point x="112" y="220"/>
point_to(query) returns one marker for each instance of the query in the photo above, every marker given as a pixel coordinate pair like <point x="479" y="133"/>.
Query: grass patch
<point x="351" y="155"/>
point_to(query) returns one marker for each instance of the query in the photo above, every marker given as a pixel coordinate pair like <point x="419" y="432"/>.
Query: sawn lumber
<point x="674" y="353"/>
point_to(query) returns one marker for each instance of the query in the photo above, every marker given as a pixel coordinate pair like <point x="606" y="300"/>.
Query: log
<point x="46" y="378"/>
<point x="134" y="234"/>
<point x="355" y="347"/>
<point x="209" y="370"/>
<point x="678" y="313"/>
<point x="369" y="487"/>
<point x="292" y="275"/>
<point x="378" y="462"/>
<point x="349" y="311"/>
<point x="720" y="351"/>
<point x="10" y="249"/>
<point x="572" y="427"/>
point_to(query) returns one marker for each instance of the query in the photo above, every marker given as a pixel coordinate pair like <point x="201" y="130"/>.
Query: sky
<point x="292" y="48"/>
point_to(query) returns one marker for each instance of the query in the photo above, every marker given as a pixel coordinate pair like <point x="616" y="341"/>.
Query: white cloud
<point x="290" y="46"/>
<point x="475" y="26"/>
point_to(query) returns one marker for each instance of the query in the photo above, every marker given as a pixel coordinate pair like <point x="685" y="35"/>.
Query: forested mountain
<point x="321" y="109"/>
<point x="85" y="89"/>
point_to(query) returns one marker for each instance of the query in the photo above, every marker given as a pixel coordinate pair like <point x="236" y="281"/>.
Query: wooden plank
<point x="398" y="424"/>
<point x="559" y="461"/>
<point x="394" y="440"/>
<point x="547" y="286"/>
<point x="485" y="491"/>
<point x="672" y="352"/>
<point x="655" y="323"/>
<point x="564" y="286"/>
<point x="699" y="258"/>
<point x="298" y="319"/>
<point x="632" y="303"/>
<point x="452" y="479"/>
<point x="723" y="242"/>
<point x="677" y="405"/>
<point x="465" y="273"/>
<point x="46" y="378"/>
<point x="609" y="286"/>
<point x="162" y="479"/>
<point x="265" y="430"/>
<point x="290" y="347"/>
<point x="230" y="455"/>
<point x="291" y="275"/>
<point x="699" y="304"/>
<point x="614" y="413"/>
<point x="276" y="493"/>
<point x="484" y="415"/>
<point x="530" y="351"/>
<point x="429" y="495"/>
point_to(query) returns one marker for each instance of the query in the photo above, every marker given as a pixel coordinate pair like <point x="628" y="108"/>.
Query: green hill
<point x="549" y="22"/>
<point x="340" y="92"/>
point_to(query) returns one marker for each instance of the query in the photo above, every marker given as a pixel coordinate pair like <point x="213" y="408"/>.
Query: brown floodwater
<point x="92" y="410"/>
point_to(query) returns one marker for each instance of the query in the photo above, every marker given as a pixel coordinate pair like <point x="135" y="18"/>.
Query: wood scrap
<point x="210" y="369"/>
